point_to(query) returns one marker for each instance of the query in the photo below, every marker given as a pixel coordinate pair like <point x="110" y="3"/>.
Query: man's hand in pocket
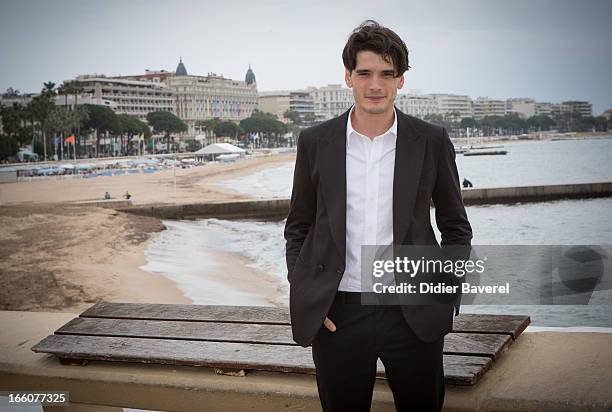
<point x="329" y="325"/>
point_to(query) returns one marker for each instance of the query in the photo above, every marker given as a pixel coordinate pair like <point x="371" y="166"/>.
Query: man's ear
<point x="401" y="82"/>
<point x="347" y="78"/>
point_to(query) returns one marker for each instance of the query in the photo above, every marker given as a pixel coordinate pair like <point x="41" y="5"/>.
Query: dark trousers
<point x="346" y="359"/>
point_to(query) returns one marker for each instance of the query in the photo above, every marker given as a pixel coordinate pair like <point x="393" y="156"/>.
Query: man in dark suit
<point x="367" y="177"/>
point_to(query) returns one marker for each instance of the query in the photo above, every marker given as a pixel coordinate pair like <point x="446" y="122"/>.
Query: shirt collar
<point x="349" y="126"/>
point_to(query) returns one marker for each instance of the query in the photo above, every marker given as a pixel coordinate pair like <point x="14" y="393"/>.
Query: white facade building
<point x="331" y="101"/>
<point x="416" y="105"/>
<point x="278" y="102"/>
<point x="199" y="98"/>
<point x="484" y="106"/>
<point x="460" y="105"/>
<point x="584" y="109"/>
<point x="543" y="108"/>
<point x="133" y="97"/>
<point x="524" y="107"/>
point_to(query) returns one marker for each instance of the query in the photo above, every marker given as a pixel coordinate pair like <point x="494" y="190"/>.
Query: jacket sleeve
<point x="302" y="208"/>
<point x="451" y="217"/>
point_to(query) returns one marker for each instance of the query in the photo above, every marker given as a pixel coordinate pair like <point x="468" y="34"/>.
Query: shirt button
<point x="339" y="271"/>
<point x="320" y="267"/>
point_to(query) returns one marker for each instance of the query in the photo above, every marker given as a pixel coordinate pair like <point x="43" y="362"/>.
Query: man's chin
<point x="377" y="109"/>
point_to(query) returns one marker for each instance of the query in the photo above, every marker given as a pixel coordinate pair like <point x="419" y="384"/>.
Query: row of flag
<point x="71" y="138"/>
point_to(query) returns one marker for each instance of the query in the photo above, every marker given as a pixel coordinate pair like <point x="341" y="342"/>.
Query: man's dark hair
<point x="381" y="40"/>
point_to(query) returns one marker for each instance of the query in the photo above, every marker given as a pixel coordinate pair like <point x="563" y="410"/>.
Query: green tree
<point x="192" y="145"/>
<point x="81" y="116"/>
<point x="8" y="147"/>
<point x="293" y="117"/>
<point x="167" y="123"/>
<point x="208" y="127"/>
<point x="60" y="121"/>
<point x="310" y="118"/>
<point x="12" y="126"/>
<point x="601" y="123"/>
<point x="227" y="128"/>
<point x="468" y="122"/>
<point x="10" y="92"/>
<point x="132" y="126"/>
<point x="42" y="105"/>
<point x="12" y="118"/>
<point x="567" y="121"/>
<point x="101" y="119"/>
<point x="437" y="119"/>
<point x="266" y="124"/>
<point x="540" y="122"/>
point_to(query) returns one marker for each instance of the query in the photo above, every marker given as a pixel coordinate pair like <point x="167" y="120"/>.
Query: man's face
<point x="373" y="83"/>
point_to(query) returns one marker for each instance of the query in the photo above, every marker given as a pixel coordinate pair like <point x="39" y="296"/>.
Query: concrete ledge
<point x="544" y="371"/>
<point x="536" y="193"/>
<point x="240" y="209"/>
<point x="108" y="203"/>
<point x="279" y="207"/>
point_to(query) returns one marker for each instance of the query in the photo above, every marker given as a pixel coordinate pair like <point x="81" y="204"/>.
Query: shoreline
<point x="67" y="259"/>
<point x="184" y="253"/>
<point x="58" y="256"/>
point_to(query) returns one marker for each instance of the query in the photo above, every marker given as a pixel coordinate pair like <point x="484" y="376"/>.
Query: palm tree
<point x="42" y="106"/>
<point x="60" y="120"/>
<point x="62" y="90"/>
<point x="208" y="126"/>
<point x="73" y="87"/>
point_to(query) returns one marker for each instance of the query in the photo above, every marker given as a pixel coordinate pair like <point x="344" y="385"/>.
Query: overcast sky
<point x="551" y="50"/>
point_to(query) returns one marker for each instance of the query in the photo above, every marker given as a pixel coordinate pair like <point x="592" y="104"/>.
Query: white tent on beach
<point x="220" y="151"/>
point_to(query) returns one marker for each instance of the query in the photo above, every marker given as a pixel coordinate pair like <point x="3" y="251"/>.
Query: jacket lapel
<point x="332" y="177"/>
<point x="409" y="154"/>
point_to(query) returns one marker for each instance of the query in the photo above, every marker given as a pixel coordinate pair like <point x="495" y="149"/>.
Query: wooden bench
<point x="236" y="339"/>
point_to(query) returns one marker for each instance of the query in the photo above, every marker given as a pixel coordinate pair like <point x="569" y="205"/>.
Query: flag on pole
<point x="70" y="139"/>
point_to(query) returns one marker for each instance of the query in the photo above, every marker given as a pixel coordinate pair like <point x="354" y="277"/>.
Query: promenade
<point x="543" y="372"/>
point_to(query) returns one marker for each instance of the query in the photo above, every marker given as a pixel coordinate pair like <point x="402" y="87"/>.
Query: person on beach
<point x="367" y="177"/>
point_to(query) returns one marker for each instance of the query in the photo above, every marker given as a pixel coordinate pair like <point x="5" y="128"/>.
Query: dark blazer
<point x="315" y="231"/>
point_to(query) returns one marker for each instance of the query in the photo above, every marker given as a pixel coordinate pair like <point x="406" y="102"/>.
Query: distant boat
<point x="482" y="152"/>
<point x="466" y="149"/>
<point x="481" y="147"/>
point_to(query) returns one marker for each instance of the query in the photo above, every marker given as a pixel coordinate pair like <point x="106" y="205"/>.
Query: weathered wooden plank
<point x="202" y="313"/>
<point x="231" y="355"/>
<point x="455" y="343"/>
<point x="465" y="370"/>
<point x="512" y="325"/>
<point x="163" y="329"/>
<point x="476" y="344"/>
<point x="459" y="370"/>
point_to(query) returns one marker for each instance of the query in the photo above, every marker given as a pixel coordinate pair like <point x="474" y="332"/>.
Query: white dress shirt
<point x="370" y="164"/>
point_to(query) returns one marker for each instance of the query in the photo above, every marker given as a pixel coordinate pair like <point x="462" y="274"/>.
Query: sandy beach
<point x="58" y="255"/>
<point x="192" y="185"/>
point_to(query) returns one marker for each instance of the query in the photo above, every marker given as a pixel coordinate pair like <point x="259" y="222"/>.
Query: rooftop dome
<point x="180" y="69"/>
<point x="250" y="76"/>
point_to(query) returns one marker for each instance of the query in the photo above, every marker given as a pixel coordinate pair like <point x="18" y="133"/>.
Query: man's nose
<point x="375" y="84"/>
